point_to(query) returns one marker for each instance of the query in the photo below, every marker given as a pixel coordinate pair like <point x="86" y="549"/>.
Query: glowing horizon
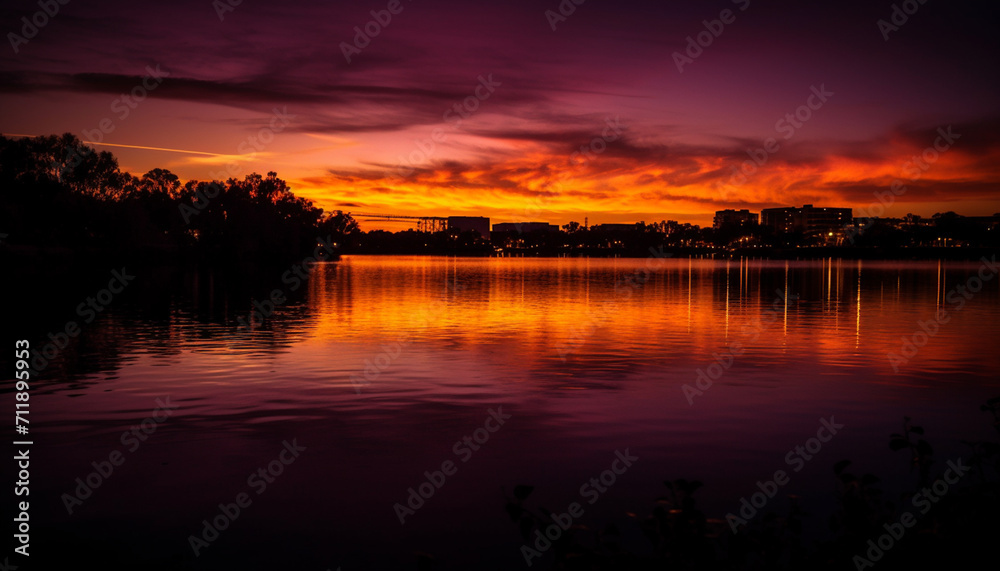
<point x="455" y="110"/>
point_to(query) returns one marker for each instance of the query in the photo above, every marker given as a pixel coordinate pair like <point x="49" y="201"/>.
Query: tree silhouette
<point x="57" y="192"/>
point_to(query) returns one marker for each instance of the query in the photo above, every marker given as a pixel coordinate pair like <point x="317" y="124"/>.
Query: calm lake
<point x="379" y="368"/>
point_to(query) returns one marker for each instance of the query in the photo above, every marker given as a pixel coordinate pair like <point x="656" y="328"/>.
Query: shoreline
<point x="21" y="256"/>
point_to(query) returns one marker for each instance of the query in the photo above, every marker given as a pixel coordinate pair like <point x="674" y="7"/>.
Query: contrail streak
<point x="135" y="147"/>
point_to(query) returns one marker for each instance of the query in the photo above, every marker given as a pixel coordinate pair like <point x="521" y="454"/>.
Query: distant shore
<point x="805" y="253"/>
<point x="22" y="256"/>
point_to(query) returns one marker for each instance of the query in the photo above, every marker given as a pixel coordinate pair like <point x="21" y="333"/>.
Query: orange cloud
<point x="630" y="183"/>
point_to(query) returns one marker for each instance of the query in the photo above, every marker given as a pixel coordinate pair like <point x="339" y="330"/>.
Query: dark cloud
<point x="557" y="87"/>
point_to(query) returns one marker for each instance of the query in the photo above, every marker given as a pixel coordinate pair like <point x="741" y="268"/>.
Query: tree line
<point x="59" y="194"/>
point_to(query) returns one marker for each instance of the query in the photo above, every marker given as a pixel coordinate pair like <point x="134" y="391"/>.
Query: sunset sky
<point x="352" y="125"/>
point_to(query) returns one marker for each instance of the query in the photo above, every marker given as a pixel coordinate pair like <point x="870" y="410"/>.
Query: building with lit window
<point x="479" y="224"/>
<point x="525" y="227"/>
<point x="809" y="220"/>
<point x="730" y="217"/>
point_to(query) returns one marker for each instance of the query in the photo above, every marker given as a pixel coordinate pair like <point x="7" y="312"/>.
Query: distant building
<point x="809" y="220"/>
<point x="781" y="220"/>
<point x="667" y="226"/>
<point x="616" y="227"/>
<point x="480" y="224"/>
<point x="524" y="227"/>
<point x="730" y="217"/>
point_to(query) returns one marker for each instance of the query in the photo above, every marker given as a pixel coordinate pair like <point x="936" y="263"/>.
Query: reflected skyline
<point x="846" y="309"/>
<point x="494" y="339"/>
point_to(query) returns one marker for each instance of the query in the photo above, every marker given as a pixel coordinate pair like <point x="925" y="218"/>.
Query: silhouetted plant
<point x="959" y="527"/>
<point x="985" y="454"/>
<point x="861" y="512"/>
<point x="920" y="450"/>
<point x="58" y="193"/>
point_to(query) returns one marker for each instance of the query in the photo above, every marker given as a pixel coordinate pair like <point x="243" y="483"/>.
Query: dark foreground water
<point x="376" y="370"/>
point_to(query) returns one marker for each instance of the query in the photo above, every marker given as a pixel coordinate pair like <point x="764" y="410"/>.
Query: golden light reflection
<point x="523" y="312"/>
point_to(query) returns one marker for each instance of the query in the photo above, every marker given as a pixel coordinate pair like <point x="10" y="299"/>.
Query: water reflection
<point x="584" y="365"/>
<point x="571" y="319"/>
